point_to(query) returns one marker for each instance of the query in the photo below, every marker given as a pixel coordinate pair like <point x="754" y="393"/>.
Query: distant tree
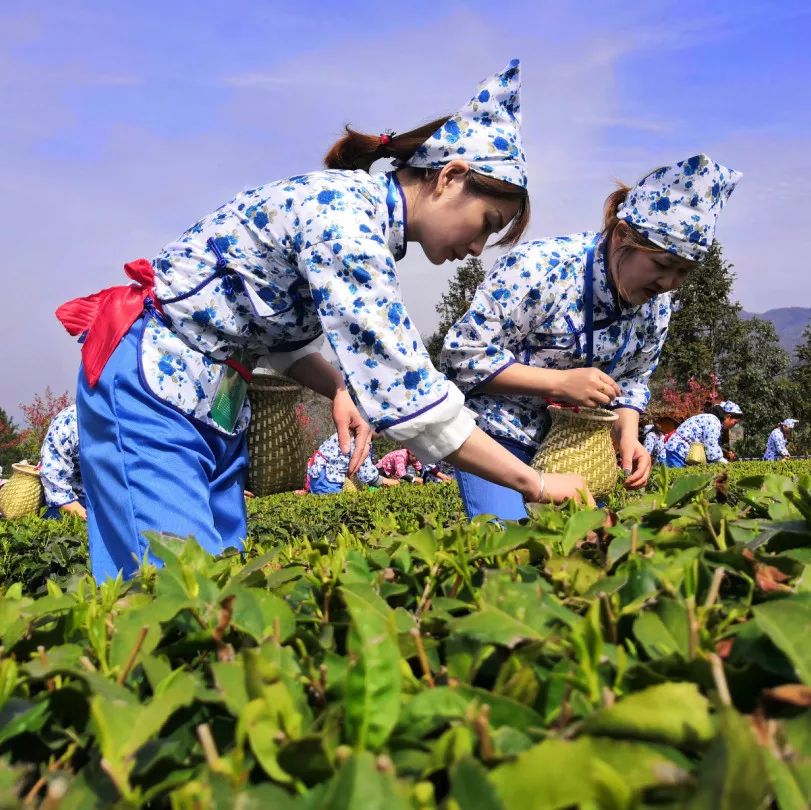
<point x="39" y="414"/>
<point x="709" y="344"/>
<point x="800" y="404"/>
<point x="679" y="400"/>
<point x="455" y="302"/>
<point x="9" y="442"/>
<point x="754" y="374"/>
<point x="704" y="321"/>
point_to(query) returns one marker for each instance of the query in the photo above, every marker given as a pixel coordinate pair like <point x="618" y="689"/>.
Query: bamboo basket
<point x="278" y="457"/>
<point x="22" y="495"/>
<point x="579" y="442"/>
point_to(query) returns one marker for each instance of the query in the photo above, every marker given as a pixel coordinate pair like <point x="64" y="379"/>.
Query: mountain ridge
<point x="788" y="321"/>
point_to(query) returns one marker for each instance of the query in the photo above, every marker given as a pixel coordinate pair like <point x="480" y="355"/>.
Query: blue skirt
<point x="148" y="467"/>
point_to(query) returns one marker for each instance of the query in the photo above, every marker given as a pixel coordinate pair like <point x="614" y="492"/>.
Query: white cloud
<point x="69" y="225"/>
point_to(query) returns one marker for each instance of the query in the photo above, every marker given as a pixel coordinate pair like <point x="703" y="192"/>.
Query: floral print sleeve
<point x="704" y="428"/>
<point x="503" y="312"/>
<point x="356" y="294"/>
<point x="530" y="309"/>
<point x="336" y="463"/>
<point x="59" y="460"/>
<point x="712" y="439"/>
<point x="367" y="473"/>
<point x="655" y="445"/>
<point x="262" y="278"/>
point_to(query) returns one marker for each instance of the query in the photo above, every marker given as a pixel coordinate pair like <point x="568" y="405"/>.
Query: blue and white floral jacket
<point x="531" y="310"/>
<point x="264" y="276"/>
<point x="59" y="460"/>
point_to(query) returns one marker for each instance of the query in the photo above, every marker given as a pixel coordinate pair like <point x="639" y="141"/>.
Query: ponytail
<point x="359" y="150"/>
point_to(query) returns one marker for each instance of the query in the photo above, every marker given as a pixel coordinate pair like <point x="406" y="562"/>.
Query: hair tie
<point x="385" y="137"/>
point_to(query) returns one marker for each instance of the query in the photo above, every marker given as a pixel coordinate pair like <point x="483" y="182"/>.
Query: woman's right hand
<point x="589" y="387"/>
<point x="75" y="508"/>
<point x="481" y="455"/>
<point x="558" y="487"/>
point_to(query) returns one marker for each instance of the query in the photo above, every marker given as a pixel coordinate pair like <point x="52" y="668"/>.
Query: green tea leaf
<point x="423" y="543"/>
<point x="470" y="788"/>
<point x="672" y="713"/>
<point x="732" y="775"/>
<point x="260" y="723"/>
<point x="258" y="612"/>
<point x="787" y="789"/>
<point x="663" y="630"/>
<point x="514" y="612"/>
<point x="574" y="573"/>
<point x="787" y="622"/>
<point x="431" y="709"/>
<point x="685" y="487"/>
<point x="21" y="717"/>
<point x="579" y="525"/>
<point x="373" y="676"/>
<point x="543" y="777"/>
<point x="360" y="785"/>
<point x="122" y="728"/>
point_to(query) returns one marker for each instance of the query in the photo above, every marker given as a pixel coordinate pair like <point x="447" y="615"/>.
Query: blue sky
<point x="123" y="123"/>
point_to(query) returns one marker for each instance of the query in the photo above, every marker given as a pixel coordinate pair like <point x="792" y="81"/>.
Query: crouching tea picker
<point x="697" y="440"/>
<point x="161" y="393"/>
<point x="59" y="467"/>
<point x="582" y="319"/>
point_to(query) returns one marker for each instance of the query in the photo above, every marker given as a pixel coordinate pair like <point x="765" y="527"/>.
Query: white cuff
<point x="281" y="361"/>
<point x="439" y="431"/>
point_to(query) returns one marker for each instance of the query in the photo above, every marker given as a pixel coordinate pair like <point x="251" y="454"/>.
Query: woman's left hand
<point x="635" y="460"/>
<point x="349" y="423"/>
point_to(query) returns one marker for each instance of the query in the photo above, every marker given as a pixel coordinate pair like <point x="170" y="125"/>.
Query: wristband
<point x="542" y="478"/>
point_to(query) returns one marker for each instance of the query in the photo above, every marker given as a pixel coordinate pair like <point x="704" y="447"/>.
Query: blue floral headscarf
<point x="486" y="132"/>
<point x="676" y="207"/>
<point x="727" y="406"/>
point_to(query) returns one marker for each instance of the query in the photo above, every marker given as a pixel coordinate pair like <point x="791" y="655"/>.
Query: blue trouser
<point x="482" y="497"/>
<point x="323" y="486"/>
<point x="148" y="467"/>
<point x="56" y="513"/>
<point x="674" y="459"/>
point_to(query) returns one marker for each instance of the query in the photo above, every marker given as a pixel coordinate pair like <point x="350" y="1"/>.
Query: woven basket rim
<point x="587" y="414"/>
<point x="26" y="469"/>
<point x="277" y="389"/>
<point x="270" y="382"/>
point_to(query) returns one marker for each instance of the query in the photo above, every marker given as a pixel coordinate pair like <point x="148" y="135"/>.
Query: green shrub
<point x="582" y="659"/>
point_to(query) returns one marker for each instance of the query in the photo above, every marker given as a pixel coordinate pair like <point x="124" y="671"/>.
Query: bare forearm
<point x="580" y="386"/>
<point x="315" y="373"/>
<point x="627" y="423"/>
<point x="483" y="456"/>
<point x="527" y="380"/>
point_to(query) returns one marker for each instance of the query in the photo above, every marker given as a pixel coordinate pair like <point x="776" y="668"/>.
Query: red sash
<point x="107" y="316"/>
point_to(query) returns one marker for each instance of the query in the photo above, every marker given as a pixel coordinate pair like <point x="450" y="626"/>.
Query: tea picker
<point x="653" y="441"/>
<point x="161" y="396"/>
<point x="777" y="443"/>
<point x="327" y="469"/>
<point x="581" y="319"/>
<point x="697" y="440"/>
<point x="59" y="467"/>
